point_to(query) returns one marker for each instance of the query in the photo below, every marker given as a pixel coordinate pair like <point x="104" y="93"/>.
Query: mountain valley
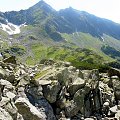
<point x="58" y="30"/>
<point x="58" y="65"/>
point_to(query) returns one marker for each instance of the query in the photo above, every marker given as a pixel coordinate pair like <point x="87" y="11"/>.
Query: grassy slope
<point x="38" y="45"/>
<point x="87" y="41"/>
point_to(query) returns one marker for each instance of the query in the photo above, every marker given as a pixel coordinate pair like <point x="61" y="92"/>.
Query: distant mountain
<point x="2" y="18"/>
<point x="67" y="20"/>
<point x="84" y="22"/>
<point x="33" y="15"/>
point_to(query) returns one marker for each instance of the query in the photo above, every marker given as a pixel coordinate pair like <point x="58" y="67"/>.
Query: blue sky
<point x="103" y="8"/>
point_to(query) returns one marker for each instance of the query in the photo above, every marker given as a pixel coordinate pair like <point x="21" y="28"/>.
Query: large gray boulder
<point x="35" y="96"/>
<point x="92" y="77"/>
<point x="76" y="85"/>
<point x="113" y="110"/>
<point x="79" y="98"/>
<point x="62" y="76"/>
<point x="71" y="108"/>
<point x="50" y="91"/>
<point x="27" y="110"/>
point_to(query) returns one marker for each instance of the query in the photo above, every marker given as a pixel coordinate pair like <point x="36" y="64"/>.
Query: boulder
<point x="113" y="110"/>
<point x="62" y="76"/>
<point x="6" y="84"/>
<point x="21" y="92"/>
<point x="10" y="95"/>
<point x="4" y="101"/>
<point x="33" y="93"/>
<point x="7" y="74"/>
<point x="67" y="64"/>
<point x="79" y="99"/>
<point x="71" y="108"/>
<point x="113" y="72"/>
<point x="11" y="78"/>
<point x="45" y="108"/>
<point x="44" y="82"/>
<point x="92" y="77"/>
<point x="50" y="91"/>
<point x="27" y="110"/>
<point x="35" y="96"/>
<point x="107" y="93"/>
<point x="80" y="74"/>
<point x="117" y="115"/>
<point x="23" y="80"/>
<point x="76" y="85"/>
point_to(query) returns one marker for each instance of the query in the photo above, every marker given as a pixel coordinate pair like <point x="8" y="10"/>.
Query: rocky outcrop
<point x="27" y="110"/>
<point x="56" y="91"/>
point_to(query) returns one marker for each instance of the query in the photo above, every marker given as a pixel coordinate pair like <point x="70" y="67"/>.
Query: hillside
<point x="59" y="34"/>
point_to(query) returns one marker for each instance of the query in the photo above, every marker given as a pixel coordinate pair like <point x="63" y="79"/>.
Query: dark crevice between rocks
<point x="91" y="99"/>
<point x="54" y="107"/>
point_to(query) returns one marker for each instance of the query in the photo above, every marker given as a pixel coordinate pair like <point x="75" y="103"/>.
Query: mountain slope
<point x="68" y="28"/>
<point x="66" y="21"/>
<point x="84" y="22"/>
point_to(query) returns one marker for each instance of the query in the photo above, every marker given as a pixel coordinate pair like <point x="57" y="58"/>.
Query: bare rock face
<point x="35" y="95"/>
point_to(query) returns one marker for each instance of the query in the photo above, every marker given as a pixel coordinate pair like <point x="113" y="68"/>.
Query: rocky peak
<point x="2" y="18"/>
<point x="42" y="5"/>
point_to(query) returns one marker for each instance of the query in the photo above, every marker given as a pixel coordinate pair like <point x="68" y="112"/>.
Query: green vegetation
<point x="40" y="74"/>
<point x="111" y="51"/>
<point x="81" y="58"/>
<point x="95" y="44"/>
<point x="15" y="50"/>
<point x="67" y="35"/>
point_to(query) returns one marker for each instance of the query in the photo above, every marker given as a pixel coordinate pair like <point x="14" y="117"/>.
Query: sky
<point x="102" y="8"/>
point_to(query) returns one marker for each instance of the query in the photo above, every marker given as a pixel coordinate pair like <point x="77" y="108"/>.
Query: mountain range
<point x="71" y="35"/>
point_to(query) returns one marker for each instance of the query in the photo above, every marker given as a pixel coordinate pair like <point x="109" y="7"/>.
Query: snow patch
<point x="0" y="55"/>
<point x="10" y="28"/>
<point x="102" y="39"/>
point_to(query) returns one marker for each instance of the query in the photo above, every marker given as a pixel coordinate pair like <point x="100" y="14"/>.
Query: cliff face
<point x="56" y="91"/>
